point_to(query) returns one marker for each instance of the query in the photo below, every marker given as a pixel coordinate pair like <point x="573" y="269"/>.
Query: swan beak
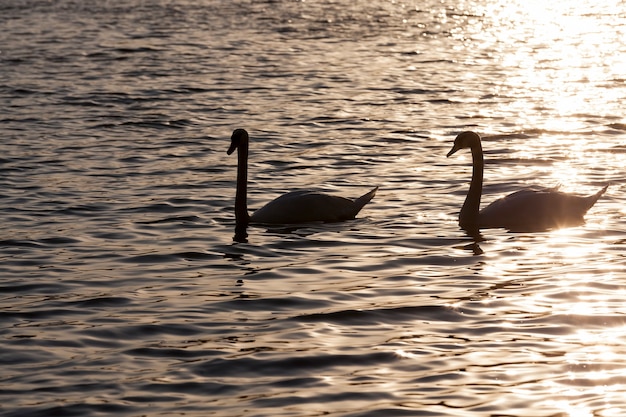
<point x="231" y="148"/>
<point x="453" y="150"/>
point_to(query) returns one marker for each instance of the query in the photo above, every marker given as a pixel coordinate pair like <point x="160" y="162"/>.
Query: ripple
<point x="393" y="315"/>
<point x="316" y="365"/>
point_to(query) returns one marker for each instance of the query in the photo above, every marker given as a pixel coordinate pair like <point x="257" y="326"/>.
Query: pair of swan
<point x="525" y="210"/>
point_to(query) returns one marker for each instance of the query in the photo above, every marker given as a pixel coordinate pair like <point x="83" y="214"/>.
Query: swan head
<point x="464" y="140"/>
<point x="239" y="137"/>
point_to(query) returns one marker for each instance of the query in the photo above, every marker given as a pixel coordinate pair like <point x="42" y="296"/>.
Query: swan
<point x="303" y="206"/>
<point x="524" y="210"/>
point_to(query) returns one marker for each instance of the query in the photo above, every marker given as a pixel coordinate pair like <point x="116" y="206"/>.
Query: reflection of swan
<point x="293" y="207"/>
<point x="525" y="210"/>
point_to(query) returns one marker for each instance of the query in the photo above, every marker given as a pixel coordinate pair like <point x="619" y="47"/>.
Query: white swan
<point x="291" y="208"/>
<point x="525" y="210"/>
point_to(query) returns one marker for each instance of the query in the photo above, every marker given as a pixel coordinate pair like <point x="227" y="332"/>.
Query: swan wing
<point x="305" y="206"/>
<point x="537" y="209"/>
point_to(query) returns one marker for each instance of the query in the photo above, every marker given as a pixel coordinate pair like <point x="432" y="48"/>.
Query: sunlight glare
<point x="563" y="243"/>
<point x="542" y="41"/>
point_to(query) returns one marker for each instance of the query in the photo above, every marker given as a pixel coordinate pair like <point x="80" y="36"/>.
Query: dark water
<point x="123" y="293"/>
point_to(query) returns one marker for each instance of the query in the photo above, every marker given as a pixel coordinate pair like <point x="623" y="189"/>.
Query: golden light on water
<point x="557" y="54"/>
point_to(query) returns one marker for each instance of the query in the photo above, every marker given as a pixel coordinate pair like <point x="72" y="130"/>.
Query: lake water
<point x="123" y="293"/>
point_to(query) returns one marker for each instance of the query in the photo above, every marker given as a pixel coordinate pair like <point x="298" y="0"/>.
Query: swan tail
<point x="360" y="202"/>
<point x="591" y="200"/>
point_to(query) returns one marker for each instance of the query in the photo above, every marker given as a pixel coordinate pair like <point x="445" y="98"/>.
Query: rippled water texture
<point x="123" y="293"/>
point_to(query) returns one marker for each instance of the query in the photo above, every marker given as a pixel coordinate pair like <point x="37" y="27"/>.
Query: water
<point x="123" y="292"/>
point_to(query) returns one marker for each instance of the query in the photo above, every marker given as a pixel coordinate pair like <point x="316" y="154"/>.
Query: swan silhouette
<point x="524" y="210"/>
<point x="302" y="206"/>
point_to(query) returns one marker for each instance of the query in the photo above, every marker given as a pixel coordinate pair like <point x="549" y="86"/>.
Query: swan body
<point x="302" y="206"/>
<point x="525" y="210"/>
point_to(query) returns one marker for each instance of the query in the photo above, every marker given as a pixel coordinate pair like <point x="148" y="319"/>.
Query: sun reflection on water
<point x="561" y="53"/>
<point x="565" y="244"/>
<point x="596" y="369"/>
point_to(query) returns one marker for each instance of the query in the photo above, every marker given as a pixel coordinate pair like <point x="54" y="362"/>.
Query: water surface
<point x="123" y="292"/>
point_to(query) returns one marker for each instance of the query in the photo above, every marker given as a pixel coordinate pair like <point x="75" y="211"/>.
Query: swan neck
<point x="242" y="217"/>
<point x="469" y="215"/>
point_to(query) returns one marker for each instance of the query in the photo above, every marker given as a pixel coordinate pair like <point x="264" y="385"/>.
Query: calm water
<point x="122" y="291"/>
